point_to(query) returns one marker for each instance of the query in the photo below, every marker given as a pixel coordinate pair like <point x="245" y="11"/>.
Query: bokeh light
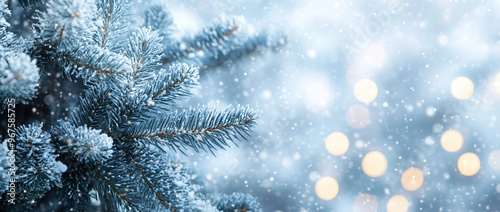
<point x="452" y="140"/>
<point x="357" y="116"/>
<point x="462" y="88"/>
<point x="494" y="160"/>
<point x="365" y="90"/>
<point x="374" y="164"/>
<point x="496" y="83"/>
<point x="365" y="203"/>
<point x="337" y="143"/>
<point x="468" y="164"/>
<point x="326" y="188"/>
<point x="397" y="203"/>
<point x="412" y="179"/>
<point x="374" y="54"/>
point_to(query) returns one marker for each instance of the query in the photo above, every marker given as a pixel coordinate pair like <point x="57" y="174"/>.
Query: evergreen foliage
<point x="237" y="202"/>
<point x="19" y="75"/>
<point x="115" y="148"/>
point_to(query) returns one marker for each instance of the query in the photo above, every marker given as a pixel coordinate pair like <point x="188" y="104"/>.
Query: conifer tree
<point x="115" y="147"/>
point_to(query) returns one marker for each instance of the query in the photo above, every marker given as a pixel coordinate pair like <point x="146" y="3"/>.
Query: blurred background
<point x="414" y="83"/>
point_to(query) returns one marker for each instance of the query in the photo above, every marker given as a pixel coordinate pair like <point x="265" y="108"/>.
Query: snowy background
<point x="412" y="50"/>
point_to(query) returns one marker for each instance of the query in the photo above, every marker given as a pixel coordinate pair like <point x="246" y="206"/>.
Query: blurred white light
<point x="266" y="94"/>
<point x="374" y="54"/>
<point x="430" y="111"/>
<point x="443" y="40"/>
<point x="315" y="91"/>
<point x="311" y="53"/>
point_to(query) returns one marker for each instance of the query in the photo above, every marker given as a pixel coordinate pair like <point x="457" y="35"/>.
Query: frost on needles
<point x="114" y="148"/>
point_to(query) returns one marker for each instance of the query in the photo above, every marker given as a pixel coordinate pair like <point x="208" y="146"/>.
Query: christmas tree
<point x="112" y="152"/>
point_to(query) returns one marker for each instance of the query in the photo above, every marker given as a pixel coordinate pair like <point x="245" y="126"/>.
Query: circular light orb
<point x="412" y="179"/>
<point x="357" y="116"/>
<point x="462" y="88"/>
<point x="326" y="188"/>
<point x="397" y="203"/>
<point x="452" y="140"/>
<point x="494" y="160"/>
<point x="496" y="83"/>
<point x="374" y="164"/>
<point x="365" y="90"/>
<point x="365" y="203"/>
<point x="337" y="143"/>
<point x="468" y="164"/>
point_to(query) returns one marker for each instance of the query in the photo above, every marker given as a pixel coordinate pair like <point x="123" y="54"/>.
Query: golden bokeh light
<point x="494" y="160"/>
<point x="326" y="188"/>
<point x="374" y="164"/>
<point x="357" y="116"/>
<point x="337" y="143"/>
<point x="365" y="90"/>
<point x="397" y="203"/>
<point x="468" y="164"/>
<point x="365" y="203"/>
<point x="452" y="140"/>
<point x="412" y="179"/>
<point x="462" y="88"/>
<point x="496" y="83"/>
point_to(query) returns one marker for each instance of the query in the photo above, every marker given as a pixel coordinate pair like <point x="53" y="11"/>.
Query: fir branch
<point x="65" y="22"/>
<point x="166" y="87"/>
<point x="83" y="144"/>
<point x="237" y="202"/>
<point x="88" y="61"/>
<point x="19" y="74"/>
<point x="159" y="19"/>
<point x="197" y="128"/>
<point x="209" y="37"/>
<point x="164" y="181"/>
<point x="76" y="188"/>
<point x="137" y="164"/>
<point x="114" y="189"/>
<point x="4" y="167"/>
<point x="32" y="4"/>
<point x="18" y="77"/>
<point x="111" y="15"/>
<point x="4" y="12"/>
<point x="243" y="47"/>
<point x="100" y="108"/>
<point x="144" y="50"/>
<point x="37" y="168"/>
<point x="115" y="183"/>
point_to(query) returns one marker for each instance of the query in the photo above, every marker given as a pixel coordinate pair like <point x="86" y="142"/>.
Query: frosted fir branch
<point x="167" y="87"/>
<point x="18" y="77"/>
<point x="101" y="108"/>
<point x="83" y="144"/>
<point x="93" y="63"/>
<point x="11" y="43"/>
<point x="115" y="183"/>
<point x="197" y="128"/>
<point x="4" y="12"/>
<point x="4" y="167"/>
<point x="164" y="182"/>
<point x="76" y="187"/>
<point x="209" y="37"/>
<point x="32" y="4"/>
<point x="159" y="19"/>
<point x="243" y="47"/>
<point x="144" y="50"/>
<point x="66" y="22"/>
<point x="37" y="169"/>
<point x="237" y="202"/>
<point x="19" y="74"/>
<point x="111" y="23"/>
